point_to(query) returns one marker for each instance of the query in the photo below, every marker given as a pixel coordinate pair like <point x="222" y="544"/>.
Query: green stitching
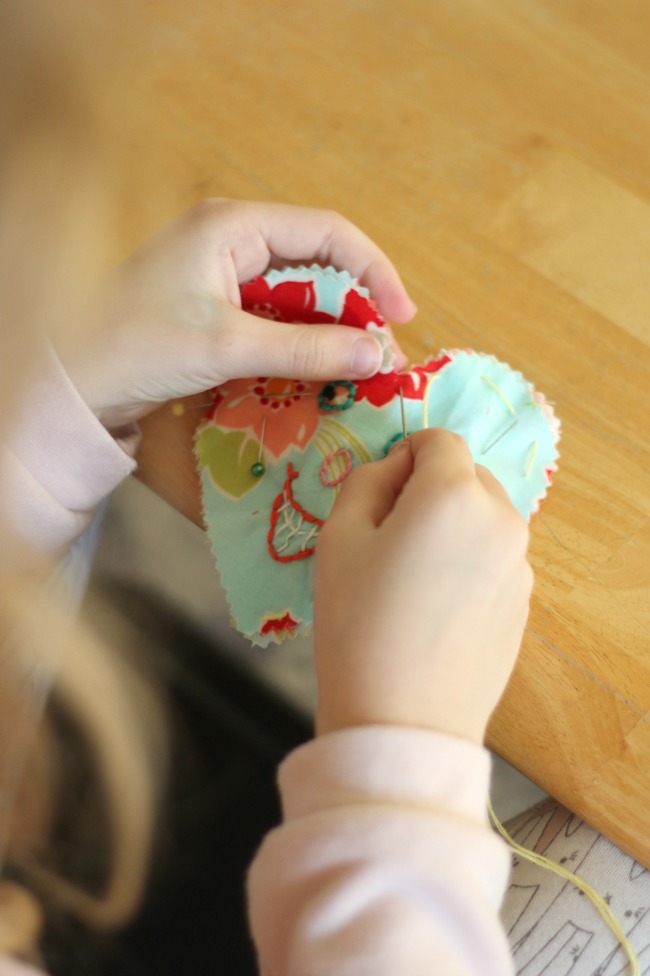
<point x="327" y="398"/>
<point x="397" y="437"/>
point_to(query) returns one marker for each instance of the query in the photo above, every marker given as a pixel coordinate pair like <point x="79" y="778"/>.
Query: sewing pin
<point x="178" y="409"/>
<point x="500" y="437"/>
<point x="284" y="396"/>
<point x="258" y="469"/>
<point x="401" y="404"/>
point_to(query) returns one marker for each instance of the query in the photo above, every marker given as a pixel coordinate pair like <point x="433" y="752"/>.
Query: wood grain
<point x="500" y="153"/>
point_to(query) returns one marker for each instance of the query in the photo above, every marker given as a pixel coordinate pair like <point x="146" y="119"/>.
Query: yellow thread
<point x="347" y="438"/>
<point x="178" y="409"/>
<point x="425" y="402"/>
<point x="533" y="455"/>
<point x="499" y="393"/>
<point x="324" y="445"/>
<point x="597" y="901"/>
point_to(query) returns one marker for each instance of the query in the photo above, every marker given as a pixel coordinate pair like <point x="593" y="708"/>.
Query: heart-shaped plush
<point x="273" y="453"/>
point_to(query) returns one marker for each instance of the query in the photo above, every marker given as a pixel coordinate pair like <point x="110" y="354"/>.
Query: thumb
<point x="369" y="495"/>
<point x="252" y="346"/>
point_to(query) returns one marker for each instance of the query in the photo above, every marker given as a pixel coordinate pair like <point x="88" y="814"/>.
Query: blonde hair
<point x="59" y="189"/>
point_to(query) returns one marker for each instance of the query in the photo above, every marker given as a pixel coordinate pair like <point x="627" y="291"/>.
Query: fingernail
<point x="366" y="358"/>
<point x="398" y="446"/>
<point x="400" y="360"/>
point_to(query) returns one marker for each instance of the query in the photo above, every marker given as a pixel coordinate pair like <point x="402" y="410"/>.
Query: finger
<point x="491" y="484"/>
<point x="246" y="345"/>
<point x="494" y="488"/>
<point x="449" y="457"/>
<point x="442" y="465"/>
<point x="442" y="462"/>
<point x="305" y="234"/>
<point x="414" y="472"/>
<point x="444" y="454"/>
<point x="400" y="359"/>
<point x="369" y="495"/>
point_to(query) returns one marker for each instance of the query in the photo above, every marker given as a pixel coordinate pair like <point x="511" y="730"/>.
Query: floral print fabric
<point x="273" y="453"/>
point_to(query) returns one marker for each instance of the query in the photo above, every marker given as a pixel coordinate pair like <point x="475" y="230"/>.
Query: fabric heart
<point x="272" y="453"/>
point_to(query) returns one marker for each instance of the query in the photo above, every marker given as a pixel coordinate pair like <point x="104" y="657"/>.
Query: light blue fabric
<point x="460" y="399"/>
<point x="463" y="401"/>
<point x="509" y="429"/>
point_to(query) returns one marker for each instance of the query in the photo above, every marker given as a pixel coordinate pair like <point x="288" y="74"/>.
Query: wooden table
<point x="499" y="151"/>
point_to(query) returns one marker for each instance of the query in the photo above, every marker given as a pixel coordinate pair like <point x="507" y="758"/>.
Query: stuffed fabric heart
<point x="273" y="453"/>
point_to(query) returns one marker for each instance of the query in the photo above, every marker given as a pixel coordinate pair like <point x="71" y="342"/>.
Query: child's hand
<point x="422" y="590"/>
<point x="172" y="324"/>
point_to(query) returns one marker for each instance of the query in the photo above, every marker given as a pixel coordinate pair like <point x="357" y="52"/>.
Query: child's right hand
<point x="422" y="592"/>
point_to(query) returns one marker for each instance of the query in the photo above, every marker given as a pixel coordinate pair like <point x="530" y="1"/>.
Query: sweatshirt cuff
<point x="391" y="764"/>
<point x="13" y="967"/>
<point x="58" y="462"/>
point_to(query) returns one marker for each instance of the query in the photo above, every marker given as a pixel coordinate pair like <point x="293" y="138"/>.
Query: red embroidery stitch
<point x="294" y="515"/>
<point x="346" y="459"/>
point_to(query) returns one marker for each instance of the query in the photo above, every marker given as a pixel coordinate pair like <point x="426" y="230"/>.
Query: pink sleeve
<point x="384" y="863"/>
<point x="11" y="967"/>
<point x="57" y="463"/>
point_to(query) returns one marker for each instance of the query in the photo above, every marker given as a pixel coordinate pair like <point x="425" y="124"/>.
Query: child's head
<point x="59" y="187"/>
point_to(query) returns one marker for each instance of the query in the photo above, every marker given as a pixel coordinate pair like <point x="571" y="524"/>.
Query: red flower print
<point x="384" y="387"/>
<point x="295" y="301"/>
<point x="360" y="312"/>
<point x="288" y="301"/>
<point x="287" y="411"/>
<point x="281" y="625"/>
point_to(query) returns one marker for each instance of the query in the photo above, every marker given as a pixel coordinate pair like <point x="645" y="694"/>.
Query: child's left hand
<point x="172" y="325"/>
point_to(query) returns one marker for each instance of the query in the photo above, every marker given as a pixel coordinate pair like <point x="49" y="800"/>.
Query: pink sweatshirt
<point x="384" y="863"/>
